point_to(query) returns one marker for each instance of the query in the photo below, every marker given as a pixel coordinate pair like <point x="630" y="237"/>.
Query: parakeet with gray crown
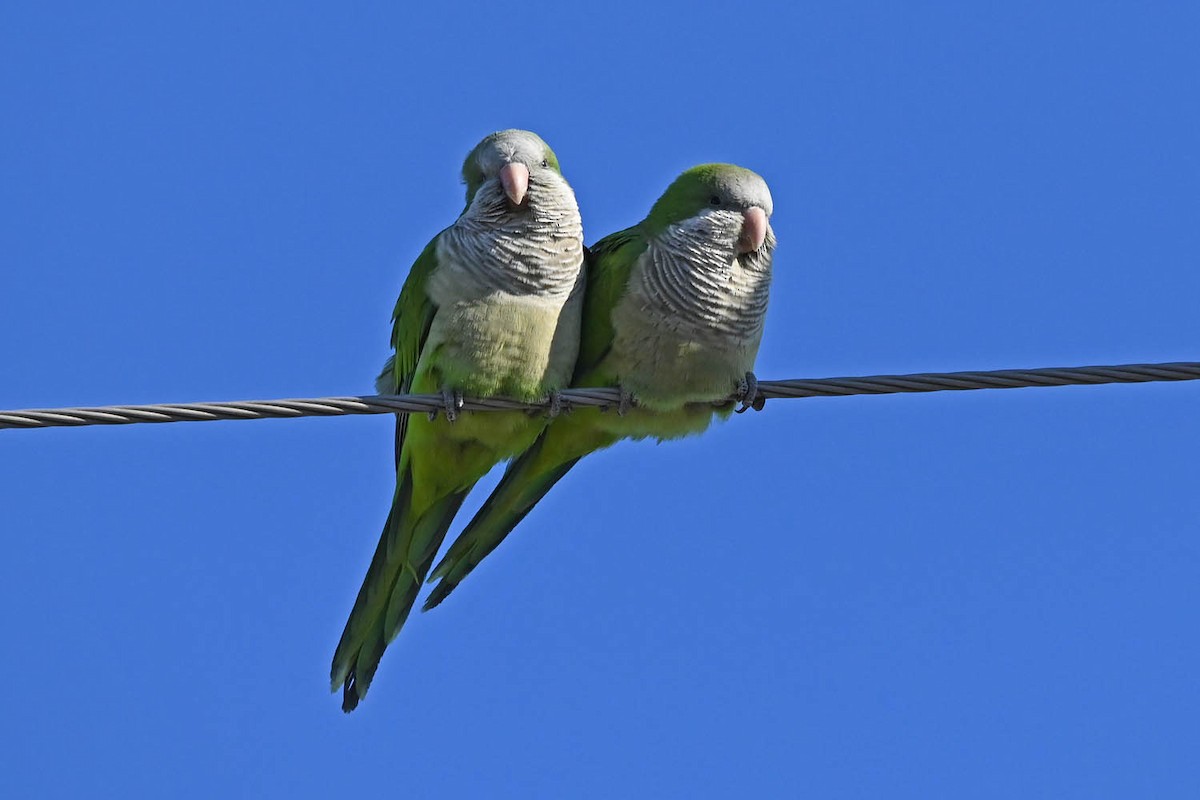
<point x="491" y="307"/>
<point x="673" y="316"/>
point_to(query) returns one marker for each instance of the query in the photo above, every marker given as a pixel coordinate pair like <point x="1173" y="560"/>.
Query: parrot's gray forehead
<point x="744" y="188"/>
<point x="514" y="145"/>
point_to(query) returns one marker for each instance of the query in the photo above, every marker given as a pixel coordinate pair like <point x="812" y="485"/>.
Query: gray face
<point x="738" y="191"/>
<point x="511" y="146"/>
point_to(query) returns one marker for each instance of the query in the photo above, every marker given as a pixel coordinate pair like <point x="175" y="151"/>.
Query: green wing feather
<point x="409" y="541"/>
<point x="532" y="474"/>
<point x="411" y="319"/>
<point x="412" y="316"/>
<point x="610" y="263"/>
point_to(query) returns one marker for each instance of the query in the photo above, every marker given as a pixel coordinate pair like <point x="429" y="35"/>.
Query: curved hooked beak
<point x="754" y="230"/>
<point x="515" y="180"/>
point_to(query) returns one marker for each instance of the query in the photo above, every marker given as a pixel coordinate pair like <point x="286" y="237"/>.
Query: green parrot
<point x="492" y="306"/>
<point x="673" y="316"/>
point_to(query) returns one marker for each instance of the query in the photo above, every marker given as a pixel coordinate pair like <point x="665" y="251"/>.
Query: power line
<point x="424" y="403"/>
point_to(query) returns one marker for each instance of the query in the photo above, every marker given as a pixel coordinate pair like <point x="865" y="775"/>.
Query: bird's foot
<point x="747" y="394"/>
<point x="452" y="403"/>
<point x="626" y="402"/>
<point x="556" y="404"/>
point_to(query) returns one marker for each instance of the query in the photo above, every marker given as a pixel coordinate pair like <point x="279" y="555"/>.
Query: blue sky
<point x="987" y="594"/>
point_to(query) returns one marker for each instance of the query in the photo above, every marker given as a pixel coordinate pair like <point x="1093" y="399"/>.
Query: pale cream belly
<point x="512" y="347"/>
<point x="664" y="370"/>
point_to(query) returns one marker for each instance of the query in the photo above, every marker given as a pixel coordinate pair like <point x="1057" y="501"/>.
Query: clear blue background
<point x="988" y="594"/>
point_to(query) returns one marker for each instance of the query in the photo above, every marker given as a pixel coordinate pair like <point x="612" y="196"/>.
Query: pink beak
<point x="754" y="230"/>
<point x="515" y="180"/>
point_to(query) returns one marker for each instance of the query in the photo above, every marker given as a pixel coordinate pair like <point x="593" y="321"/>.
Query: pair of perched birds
<point x="507" y="302"/>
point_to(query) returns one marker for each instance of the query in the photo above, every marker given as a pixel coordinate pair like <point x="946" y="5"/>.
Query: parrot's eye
<point x="714" y="200"/>
<point x="545" y="163"/>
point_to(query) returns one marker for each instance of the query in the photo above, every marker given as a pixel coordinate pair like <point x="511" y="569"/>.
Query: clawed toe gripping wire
<point x="578" y="398"/>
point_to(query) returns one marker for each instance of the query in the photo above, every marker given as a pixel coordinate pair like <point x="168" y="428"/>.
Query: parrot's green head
<point x="733" y="202"/>
<point x="513" y="159"/>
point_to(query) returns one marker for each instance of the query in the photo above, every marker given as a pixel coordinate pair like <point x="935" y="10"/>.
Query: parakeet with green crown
<point x="673" y="316"/>
<point x="492" y="306"/>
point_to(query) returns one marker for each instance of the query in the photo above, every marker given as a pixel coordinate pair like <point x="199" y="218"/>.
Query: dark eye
<point x="545" y="163"/>
<point x="714" y="200"/>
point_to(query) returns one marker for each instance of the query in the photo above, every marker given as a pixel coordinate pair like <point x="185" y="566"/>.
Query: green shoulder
<point x="610" y="263"/>
<point x="410" y="322"/>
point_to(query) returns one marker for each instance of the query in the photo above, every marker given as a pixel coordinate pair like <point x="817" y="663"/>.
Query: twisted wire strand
<point x="603" y="398"/>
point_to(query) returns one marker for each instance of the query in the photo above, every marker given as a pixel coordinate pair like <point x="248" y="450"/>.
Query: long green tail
<point x="525" y="482"/>
<point x="403" y="557"/>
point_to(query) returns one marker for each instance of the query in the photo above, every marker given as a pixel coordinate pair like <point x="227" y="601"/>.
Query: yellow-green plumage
<point x="491" y="307"/>
<point x="673" y="316"/>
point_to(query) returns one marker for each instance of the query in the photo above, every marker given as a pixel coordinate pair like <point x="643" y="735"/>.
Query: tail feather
<point x="405" y="552"/>
<point x="525" y="482"/>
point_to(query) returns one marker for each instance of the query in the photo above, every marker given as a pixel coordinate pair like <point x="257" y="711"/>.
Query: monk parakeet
<point x="673" y="316"/>
<point x="491" y="307"/>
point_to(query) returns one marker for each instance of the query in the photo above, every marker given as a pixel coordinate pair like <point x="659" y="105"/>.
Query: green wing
<point x="412" y="317"/>
<point x="565" y="441"/>
<point x="374" y="621"/>
<point x="610" y="263"/>
<point x="410" y="327"/>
